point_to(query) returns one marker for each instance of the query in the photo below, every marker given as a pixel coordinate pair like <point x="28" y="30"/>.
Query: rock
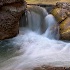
<point x="62" y="14"/>
<point x="8" y="25"/>
<point x="59" y="13"/>
<point x="14" y="7"/>
<point x="10" y="14"/>
<point x="65" y="29"/>
<point x="62" y="5"/>
<point x="51" y="68"/>
<point x="2" y="2"/>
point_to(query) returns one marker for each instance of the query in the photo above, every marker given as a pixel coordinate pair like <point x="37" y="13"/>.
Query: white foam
<point x="37" y="50"/>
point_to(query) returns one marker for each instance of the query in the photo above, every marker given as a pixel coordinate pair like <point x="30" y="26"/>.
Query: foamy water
<point x="32" y="49"/>
<point x="37" y="50"/>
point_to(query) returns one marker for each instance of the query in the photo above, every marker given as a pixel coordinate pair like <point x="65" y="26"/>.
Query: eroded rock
<point x="51" y="68"/>
<point x="10" y="14"/>
<point x="65" y="29"/>
<point x="61" y="11"/>
<point x="60" y="14"/>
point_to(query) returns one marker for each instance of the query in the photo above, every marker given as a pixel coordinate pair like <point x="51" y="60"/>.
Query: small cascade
<point x="52" y="30"/>
<point x="36" y="19"/>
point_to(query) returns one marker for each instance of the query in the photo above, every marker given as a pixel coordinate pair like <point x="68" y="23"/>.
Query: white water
<point x="35" y="49"/>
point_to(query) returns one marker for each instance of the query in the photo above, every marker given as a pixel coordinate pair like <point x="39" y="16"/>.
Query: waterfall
<point x="36" y="18"/>
<point x="52" y="31"/>
<point x="32" y="47"/>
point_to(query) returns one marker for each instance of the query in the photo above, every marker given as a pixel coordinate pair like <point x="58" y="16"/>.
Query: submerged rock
<point x="51" y="68"/>
<point x="65" y="29"/>
<point x="10" y="14"/>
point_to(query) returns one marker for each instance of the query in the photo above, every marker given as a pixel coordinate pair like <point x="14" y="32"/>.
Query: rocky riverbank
<point x="10" y="13"/>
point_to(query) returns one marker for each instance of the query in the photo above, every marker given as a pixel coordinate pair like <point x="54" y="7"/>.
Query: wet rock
<point x="67" y="68"/>
<point x="51" y="68"/>
<point x="65" y="29"/>
<point x="44" y="68"/>
<point x="10" y="14"/>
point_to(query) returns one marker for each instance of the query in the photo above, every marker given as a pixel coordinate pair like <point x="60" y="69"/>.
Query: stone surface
<point x="65" y="29"/>
<point x="10" y="14"/>
<point x="51" y="68"/>
<point x="2" y="2"/>
<point x="62" y="14"/>
<point x="8" y="25"/>
<point x="59" y="13"/>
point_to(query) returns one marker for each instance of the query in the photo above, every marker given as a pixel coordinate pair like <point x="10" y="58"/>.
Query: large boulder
<point x="10" y="14"/>
<point x="2" y="2"/>
<point x="65" y="29"/>
<point x="62" y="14"/>
<point x="59" y="13"/>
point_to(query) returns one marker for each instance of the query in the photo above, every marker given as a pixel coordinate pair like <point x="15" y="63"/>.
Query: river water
<point x="37" y="44"/>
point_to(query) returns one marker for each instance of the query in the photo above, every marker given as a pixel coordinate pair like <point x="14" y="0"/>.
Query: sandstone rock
<point x="9" y="18"/>
<point x="62" y="4"/>
<point x="65" y="29"/>
<point x="62" y="14"/>
<point x="59" y="13"/>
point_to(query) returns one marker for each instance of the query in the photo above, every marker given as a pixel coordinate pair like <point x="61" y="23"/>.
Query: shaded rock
<point x="51" y="68"/>
<point x="9" y="18"/>
<point x="8" y="25"/>
<point x="14" y="7"/>
<point x="2" y="2"/>
<point x="65" y="29"/>
<point x="44" y="68"/>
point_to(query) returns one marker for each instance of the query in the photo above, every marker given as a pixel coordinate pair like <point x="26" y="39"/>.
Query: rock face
<point x="62" y="14"/>
<point x="61" y="11"/>
<point x="10" y="13"/>
<point x="65" y="29"/>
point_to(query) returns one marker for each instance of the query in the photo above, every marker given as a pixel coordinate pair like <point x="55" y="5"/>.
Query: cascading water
<point x="52" y="31"/>
<point x="32" y="48"/>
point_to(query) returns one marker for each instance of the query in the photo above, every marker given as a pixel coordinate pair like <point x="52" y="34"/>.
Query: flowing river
<point x="37" y="44"/>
